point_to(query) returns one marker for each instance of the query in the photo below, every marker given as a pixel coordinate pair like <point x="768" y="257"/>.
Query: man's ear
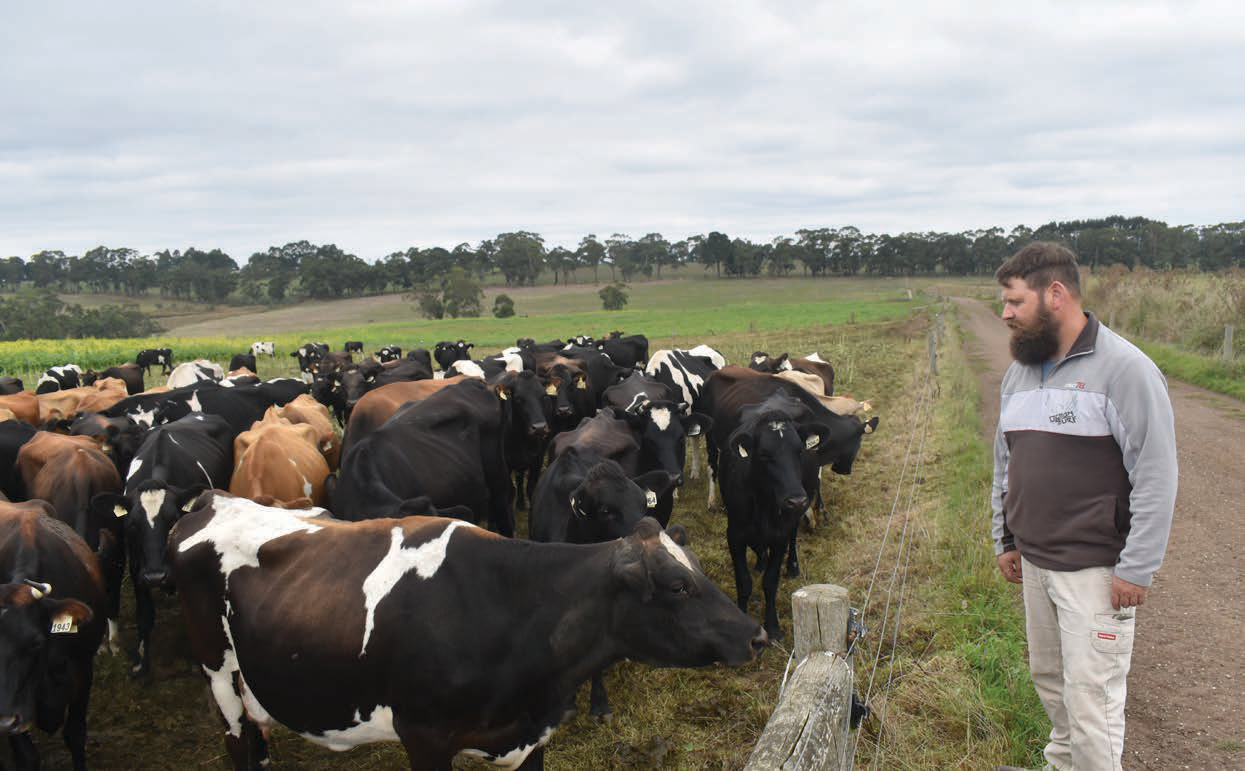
<point x="1056" y="295"/>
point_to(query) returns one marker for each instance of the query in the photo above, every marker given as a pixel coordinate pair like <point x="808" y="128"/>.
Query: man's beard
<point x="1037" y="341"/>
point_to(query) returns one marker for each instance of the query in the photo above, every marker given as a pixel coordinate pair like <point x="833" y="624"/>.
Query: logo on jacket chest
<point x="1064" y="412"/>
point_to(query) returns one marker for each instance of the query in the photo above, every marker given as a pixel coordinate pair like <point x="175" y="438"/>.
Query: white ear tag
<point x="119" y="511"/>
<point x="811" y="442"/>
<point x="503" y="394"/>
<point x="694" y="430"/>
<point x="650" y="498"/>
<point x="742" y="452"/>
<point x="63" y="624"/>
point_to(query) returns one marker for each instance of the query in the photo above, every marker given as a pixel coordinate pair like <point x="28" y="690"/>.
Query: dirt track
<point x="1186" y="707"/>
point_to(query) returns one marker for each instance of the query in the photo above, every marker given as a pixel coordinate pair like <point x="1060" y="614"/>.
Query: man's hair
<point x="1040" y="264"/>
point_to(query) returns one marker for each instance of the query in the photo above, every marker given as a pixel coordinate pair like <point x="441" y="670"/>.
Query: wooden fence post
<point x="1229" y="352"/>
<point x="810" y="727"/>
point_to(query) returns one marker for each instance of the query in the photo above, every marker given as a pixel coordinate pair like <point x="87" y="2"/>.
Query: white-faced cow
<point x="51" y="624"/>
<point x="264" y="348"/>
<point x="175" y="462"/>
<point x="404" y="641"/>
<point x="685" y="372"/>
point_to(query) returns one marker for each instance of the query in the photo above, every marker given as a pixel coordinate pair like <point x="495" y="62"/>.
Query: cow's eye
<point x="679" y="588"/>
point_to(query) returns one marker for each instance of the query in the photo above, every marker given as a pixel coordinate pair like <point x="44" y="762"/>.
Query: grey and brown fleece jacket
<point x="1085" y="460"/>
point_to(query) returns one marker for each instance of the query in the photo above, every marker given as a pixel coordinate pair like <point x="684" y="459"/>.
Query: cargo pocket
<point x="1113" y="632"/>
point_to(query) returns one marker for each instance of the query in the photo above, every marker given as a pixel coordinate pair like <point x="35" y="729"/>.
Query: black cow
<point x="568" y="386"/>
<point x="51" y="624"/>
<point x="13" y="435"/>
<point x="447" y="447"/>
<point x="353" y="346"/>
<point x="59" y="379"/>
<point x="763" y="493"/>
<point x="729" y="390"/>
<point x="625" y="350"/>
<point x="354" y="382"/>
<point x="175" y="462"/>
<point x="526" y="432"/>
<point x="240" y="405"/>
<point x="119" y="437"/>
<point x="446" y="353"/>
<point x="308" y="355"/>
<point x="150" y="356"/>
<point x="243" y="361"/>
<point x="130" y="374"/>
<point x="11" y="385"/>
<point x="390" y="353"/>
<point x="587" y="497"/>
<point x="414" y="654"/>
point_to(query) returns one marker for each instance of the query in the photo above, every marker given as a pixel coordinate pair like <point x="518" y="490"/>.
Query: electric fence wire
<point x="912" y="458"/>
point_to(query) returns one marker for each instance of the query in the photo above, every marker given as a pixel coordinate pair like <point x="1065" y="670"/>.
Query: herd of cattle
<point x="450" y="637"/>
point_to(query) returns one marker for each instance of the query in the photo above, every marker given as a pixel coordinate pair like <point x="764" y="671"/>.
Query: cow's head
<point x="149" y="513"/>
<point x="839" y="451"/>
<point x="668" y="613"/>
<point x="607" y="504"/>
<point x="29" y="617"/>
<point x="766" y="449"/>
<point x="662" y="428"/>
<point x="528" y="406"/>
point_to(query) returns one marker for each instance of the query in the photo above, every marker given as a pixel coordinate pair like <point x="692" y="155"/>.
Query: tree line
<point x="301" y="269"/>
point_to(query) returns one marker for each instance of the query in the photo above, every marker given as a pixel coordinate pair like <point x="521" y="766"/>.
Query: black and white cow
<point x="309" y="355"/>
<point x="685" y="372"/>
<point x="414" y="655"/>
<point x="446" y="353"/>
<point x="353" y="346"/>
<point x="59" y="379"/>
<point x="190" y="372"/>
<point x="51" y="624"/>
<point x="149" y="357"/>
<point x="264" y="348"/>
<point x="389" y="353"/>
<point x="175" y="463"/>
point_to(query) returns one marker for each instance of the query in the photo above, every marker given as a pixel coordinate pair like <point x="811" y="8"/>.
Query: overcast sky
<point x="384" y="125"/>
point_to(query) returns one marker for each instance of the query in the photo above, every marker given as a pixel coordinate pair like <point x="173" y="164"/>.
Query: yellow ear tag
<point x="63" y="624"/>
<point x="551" y="390"/>
<point x="811" y="442"/>
<point x="582" y="384"/>
<point x="503" y="394"/>
<point x="119" y="511"/>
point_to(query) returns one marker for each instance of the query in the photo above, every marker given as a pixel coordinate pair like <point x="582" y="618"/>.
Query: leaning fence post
<point x="811" y="726"/>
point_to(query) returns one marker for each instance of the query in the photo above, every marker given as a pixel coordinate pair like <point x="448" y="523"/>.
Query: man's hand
<point x="1125" y="594"/>
<point x="1009" y="566"/>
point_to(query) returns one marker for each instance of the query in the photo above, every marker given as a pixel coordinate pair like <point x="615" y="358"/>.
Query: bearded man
<point x="1083" y="495"/>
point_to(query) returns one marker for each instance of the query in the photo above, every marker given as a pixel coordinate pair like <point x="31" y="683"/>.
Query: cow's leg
<point x="793" y="559"/>
<point x="600" y="701"/>
<point x="520" y="488"/>
<point x="249" y="751"/>
<point x="769" y="586"/>
<point x="145" y="619"/>
<point x="74" y="732"/>
<point x="743" y="579"/>
<point x="535" y="761"/>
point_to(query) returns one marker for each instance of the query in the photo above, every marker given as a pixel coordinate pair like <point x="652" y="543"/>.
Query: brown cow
<point x="379" y="404"/>
<point x="64" y="405"/>
<point x="305" y="409"/>
<point x="24" y="406"/>
<point x="279" y="464"/>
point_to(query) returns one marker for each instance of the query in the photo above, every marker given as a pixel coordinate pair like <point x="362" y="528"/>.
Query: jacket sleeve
<point x="1144" y="427"/>
<point x="1003" y="540"/>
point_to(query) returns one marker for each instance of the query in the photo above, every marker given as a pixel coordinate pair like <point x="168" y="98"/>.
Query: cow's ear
<point x="741" y="444"/>
<point x="697" y="423"/>
<point x="656" y="483"/>
<point x="502" y="390"/>
<point x="871" y="425"/>
<point x="813" y="434"/>
<point x="66" y="614"/>
<point x="109" y="505"/>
